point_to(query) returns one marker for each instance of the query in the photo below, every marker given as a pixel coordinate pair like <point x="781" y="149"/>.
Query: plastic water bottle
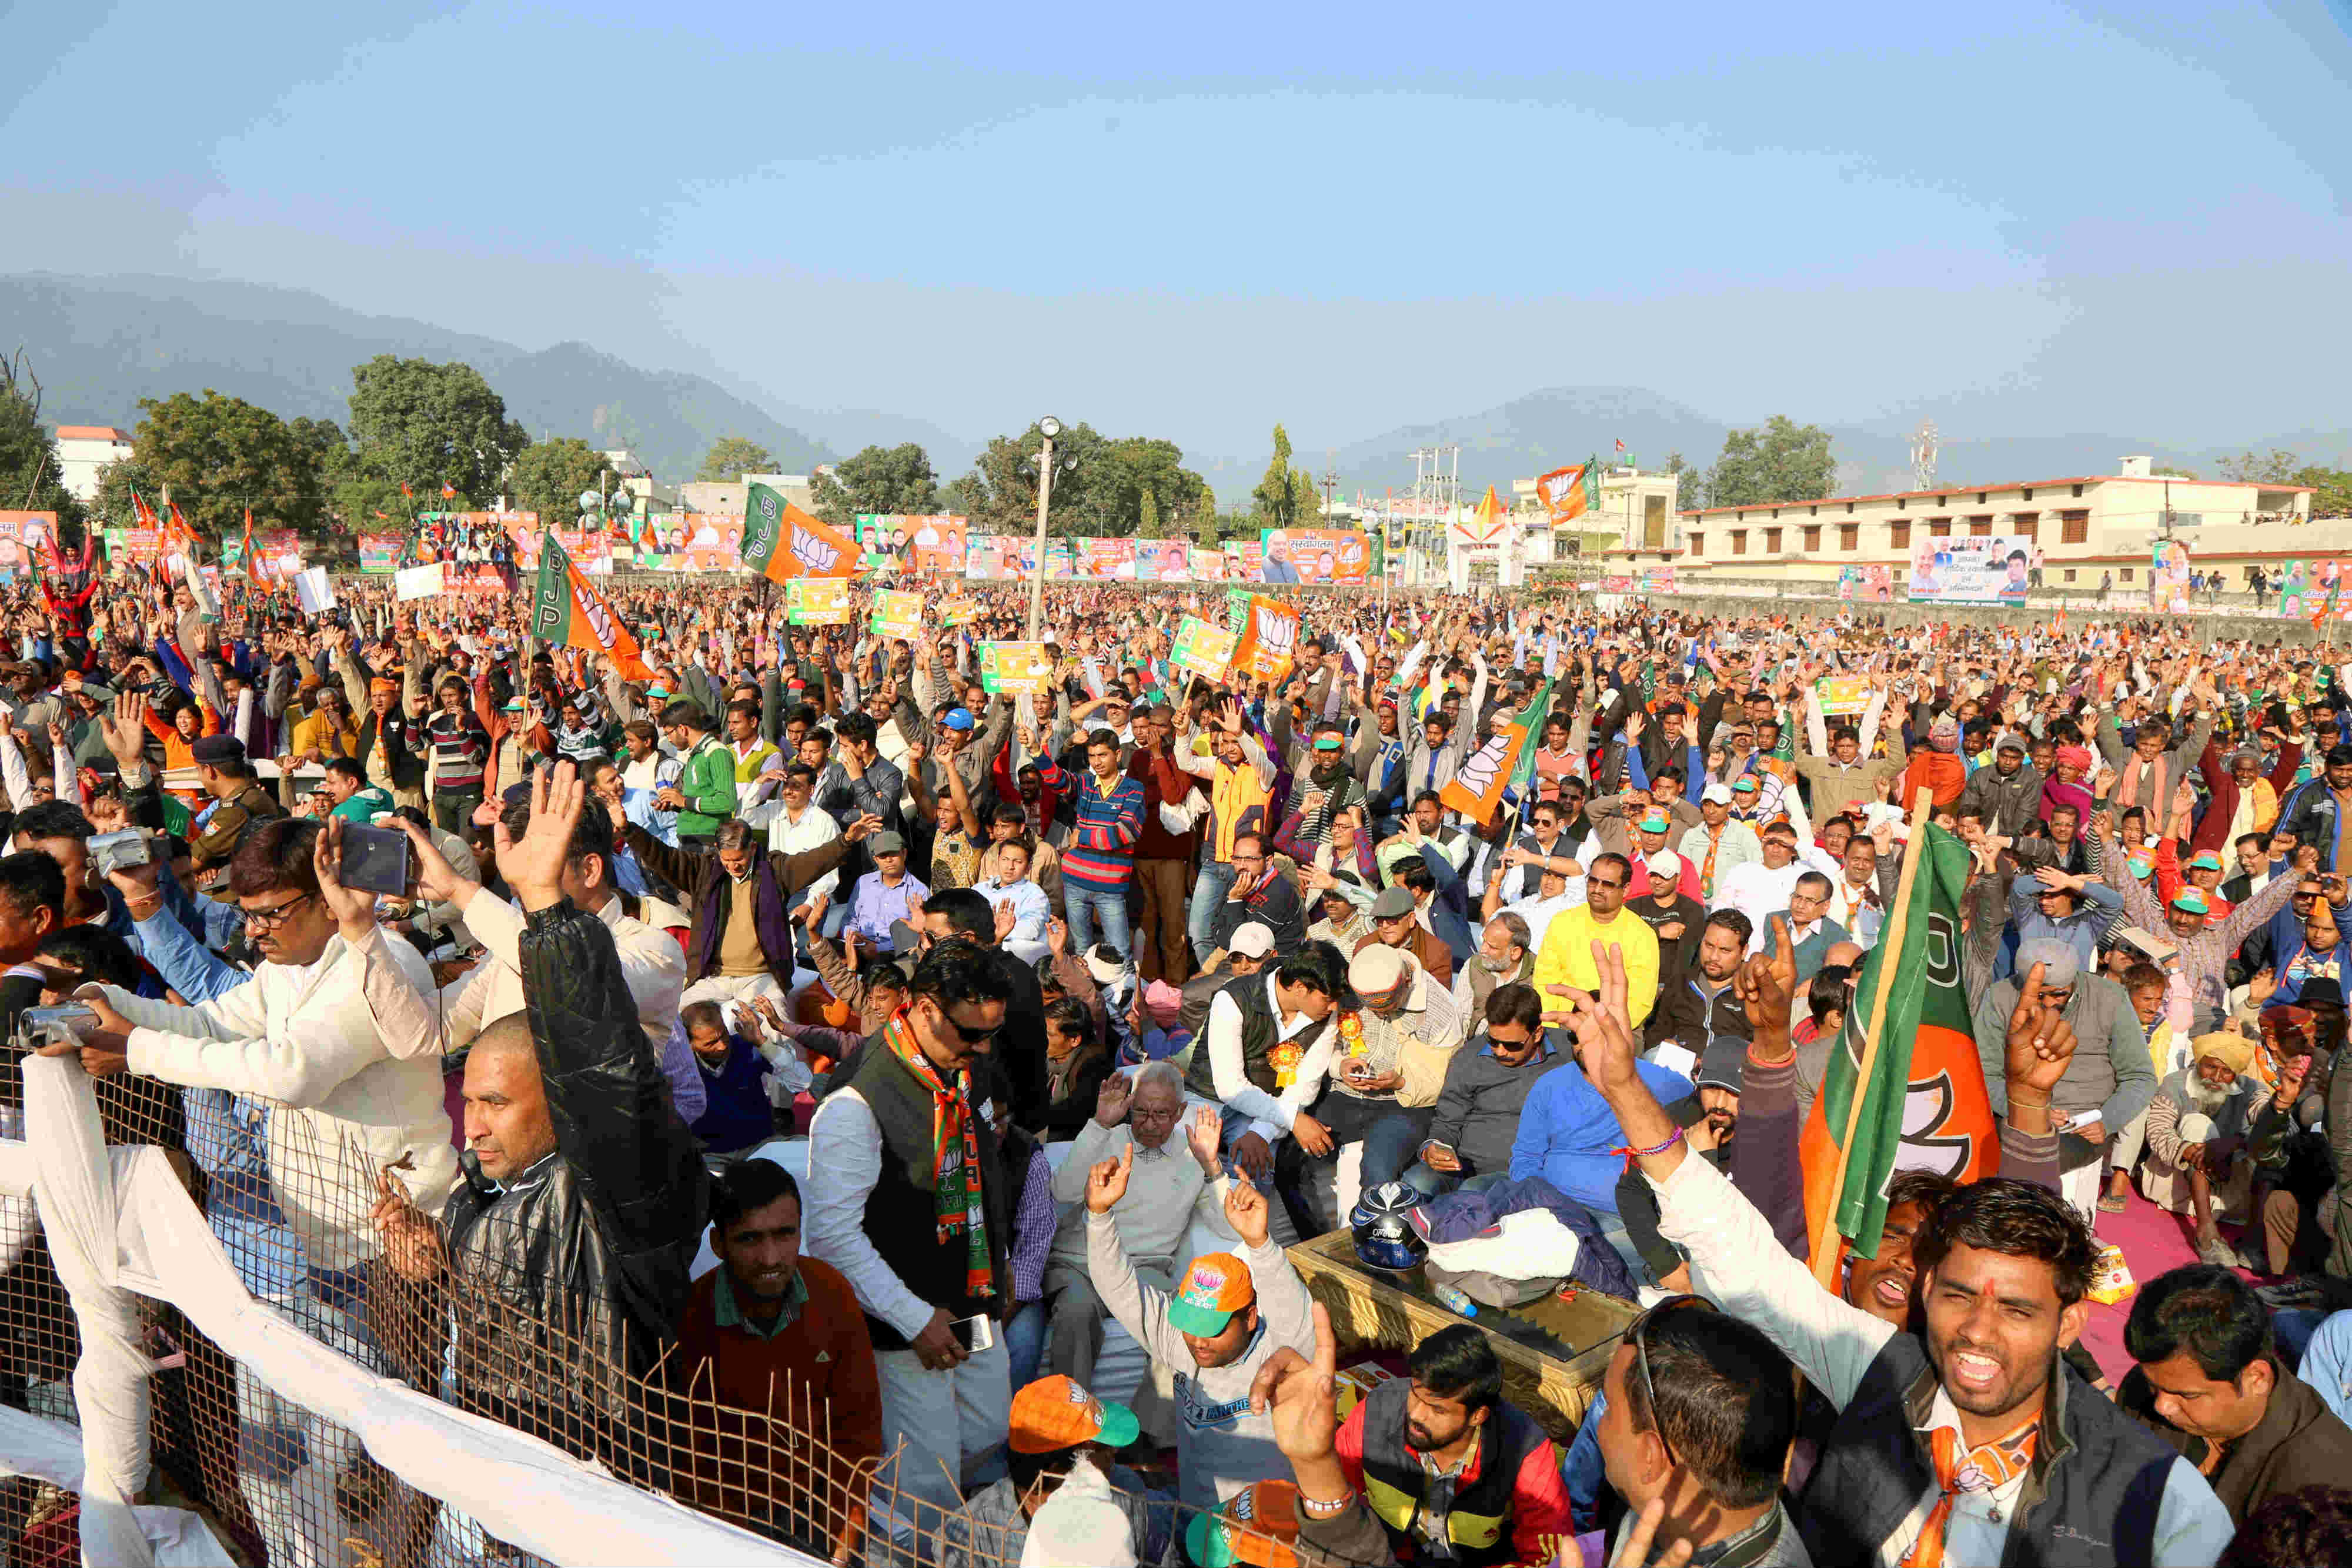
<point x="1455" y="1298"/>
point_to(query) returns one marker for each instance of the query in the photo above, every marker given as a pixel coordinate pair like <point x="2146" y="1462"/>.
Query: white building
<point x="83" y="450"/>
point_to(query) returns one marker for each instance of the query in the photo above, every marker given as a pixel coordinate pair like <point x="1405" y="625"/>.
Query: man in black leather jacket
<point x="565" y="1251"/>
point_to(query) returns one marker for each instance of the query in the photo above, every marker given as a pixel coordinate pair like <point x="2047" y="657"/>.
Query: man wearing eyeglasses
<point x="907" y="1197"/>
<point x="1564" y="963"/>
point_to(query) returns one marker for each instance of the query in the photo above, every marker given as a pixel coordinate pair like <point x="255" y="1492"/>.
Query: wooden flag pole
<point x="1826" y="1255"/>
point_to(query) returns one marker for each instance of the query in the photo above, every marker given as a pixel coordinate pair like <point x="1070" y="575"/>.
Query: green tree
<point x="1277" y="494"/>
<point x="880" y="479"/>
<point x="222" y="455"/>
<point x="2331" y="490"/>
<point x="1147" y="526"/>
<point x="1782" y="461"/>
<point x="2165" y="471"/>
<point x="30" y="478"/>
<point x="732" y="456"/>
<point x="999" y="493"/>
<point x="1690" y="484"/>
<point x="2251" y="468"/>
<point x="424" y="425"/>
<point x="551" y="476"/>
<point x="1123" y="472"/>
<point x="111" y="508"/>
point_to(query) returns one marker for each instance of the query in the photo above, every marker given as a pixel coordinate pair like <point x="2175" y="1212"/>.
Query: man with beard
<point x="1505" y="956"/>
<point x="1721" y="843"/>
<point x="2007" y="796"/>
<point x="1455" y="1472"/>
<point x="1224" y="1320"/>
<point x="2197" y="1124"/>
<point x="1710" y="1117"/>
<point x="1674" y="916"/>
<point x="1977" y="1398"/>
<point x="1701" y="1004"/>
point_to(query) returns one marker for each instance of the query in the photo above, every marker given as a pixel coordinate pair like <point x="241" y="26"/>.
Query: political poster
<point x="957" y="612"/>
<point x="1871" y="584"/>
<point x="935" y="544"/>
<point x="1061" y="561"/>
<point x="379" y="553"/>
<point x="1237" y="601"/>
<point x="1162" y="560"/>
<point x="1206" y="650"/>
<point x="818" y="600"/>
<point x="1989" y="568"/>
<point x="1245" y="561"/>
<point x="2293" y="582"/>
<point x="1110" y="558"/>
<point x="22" y="535"/>
<point x="898" y="614"/>
<point x="1843" y="696"/>
<point x="1207" y="565"/>
<point x="692" y="541"/>
<point x="1658" y="578"/>
<point x="1269" y="639"/>
<point x="1015" y="669"/>
<point x="2167" y="577"/>
<point x="1317" y="555"/>
<point x="984" y="559"/>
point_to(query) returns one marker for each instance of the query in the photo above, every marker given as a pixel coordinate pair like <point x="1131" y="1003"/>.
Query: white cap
<point x="1715" y="795"/>
<point x="1080" y="1526"/>
<point x="1251" y="939"/>
<point x="1376" y="970"/>
<point x="1667" y="865"/>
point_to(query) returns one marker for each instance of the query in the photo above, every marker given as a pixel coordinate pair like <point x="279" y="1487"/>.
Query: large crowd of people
<point x="960" y="1027"/>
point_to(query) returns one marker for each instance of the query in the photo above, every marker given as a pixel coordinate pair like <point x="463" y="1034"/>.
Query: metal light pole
<point x="1049" y="427"/>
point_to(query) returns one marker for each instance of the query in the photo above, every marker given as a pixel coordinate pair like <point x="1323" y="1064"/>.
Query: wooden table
<point x="1553" y="1352"/>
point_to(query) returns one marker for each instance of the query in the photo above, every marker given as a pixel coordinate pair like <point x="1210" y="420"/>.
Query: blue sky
<point x="1196" y="221"/>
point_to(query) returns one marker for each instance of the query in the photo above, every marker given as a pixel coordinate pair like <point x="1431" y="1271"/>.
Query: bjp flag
<point x="1569" y="493"/>
<point x="1923" y="1105"/>
<point x="568" y="613"/>
<point x="1269" y="639"/>
<point x="781" y="542"/>
<point x="1500" y="771"/>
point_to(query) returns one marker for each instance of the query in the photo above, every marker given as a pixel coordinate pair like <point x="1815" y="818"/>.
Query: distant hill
<point x="101" y="345"/>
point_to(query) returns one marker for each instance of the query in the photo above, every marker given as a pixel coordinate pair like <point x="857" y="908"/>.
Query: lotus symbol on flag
<point x="600" y="622"/>
<point x="813" y="552"/>
<point x="1275" y="632"/>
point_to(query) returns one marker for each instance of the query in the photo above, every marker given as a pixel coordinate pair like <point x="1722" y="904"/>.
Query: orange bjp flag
<point x="568" y="613"/>
<point x="781" y="542"/>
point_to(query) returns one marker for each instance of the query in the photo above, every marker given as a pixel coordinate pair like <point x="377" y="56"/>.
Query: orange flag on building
<point x="568" y="613"/>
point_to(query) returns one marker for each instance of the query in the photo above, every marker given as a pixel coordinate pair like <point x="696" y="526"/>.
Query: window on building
<point x="1812" y="540"/>
<point x="1980" y="528"/>
<point x="1849" y="537"/>
<point x="1849" y="506"/>
<point x="1939" y="528"/>
<point x="2026" y="523"/>
<point x="2070" y="574"/>
<point x="2078" y="489"/>
<point x="1738" y="541"/>
<point x="1771" y="541"/>
<point x="1980" y="497"/>
<point x="1898" y="536"/>
<point x="2075" y="527"/>
<point x="1697" y="543"/>
<point x="1902" y="503"/>
<point x="2026" y="493"/>
<point x="2125" y="575"/>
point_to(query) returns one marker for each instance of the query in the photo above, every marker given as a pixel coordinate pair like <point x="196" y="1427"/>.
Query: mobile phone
<point x="975" y="1333"/>
<point x="75" y="1019"/>
<point x="375" y="860"/>
<point x="119" y="850"/>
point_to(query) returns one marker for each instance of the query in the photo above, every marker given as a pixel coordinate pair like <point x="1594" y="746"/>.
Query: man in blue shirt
<point x="1569" y="1136"/>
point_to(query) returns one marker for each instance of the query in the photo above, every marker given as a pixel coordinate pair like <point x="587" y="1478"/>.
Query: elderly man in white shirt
<point x="492" y="989"/>
<point x="1174" y="1182"/>
<point x="1022" y="910"/>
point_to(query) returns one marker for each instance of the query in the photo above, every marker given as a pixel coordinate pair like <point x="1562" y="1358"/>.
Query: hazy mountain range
<point x="100" y="345"/>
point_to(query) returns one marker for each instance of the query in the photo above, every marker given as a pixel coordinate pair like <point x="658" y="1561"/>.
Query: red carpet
<point x="2153" y="1242"/>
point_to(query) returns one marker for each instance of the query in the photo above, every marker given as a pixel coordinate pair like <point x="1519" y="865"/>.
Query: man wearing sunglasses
<point x="907" y="1197"/>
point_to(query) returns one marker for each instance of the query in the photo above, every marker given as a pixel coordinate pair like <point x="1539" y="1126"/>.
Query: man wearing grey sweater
<point x="1227" y="1316"/>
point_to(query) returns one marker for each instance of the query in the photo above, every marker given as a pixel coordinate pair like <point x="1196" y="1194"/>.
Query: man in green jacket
<point x="704" y="795"/>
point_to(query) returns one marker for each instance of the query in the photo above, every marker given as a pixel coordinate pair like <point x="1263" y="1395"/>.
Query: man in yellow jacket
<point x="1564" y="963"/>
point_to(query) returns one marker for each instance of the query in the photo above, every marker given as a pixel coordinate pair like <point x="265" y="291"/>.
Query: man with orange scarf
<point x="908" y="1198"/>
<point x="1937" y="768"/>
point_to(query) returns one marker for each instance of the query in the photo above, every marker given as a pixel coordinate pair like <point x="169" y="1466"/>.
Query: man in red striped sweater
<point x="1098" y="862"/>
